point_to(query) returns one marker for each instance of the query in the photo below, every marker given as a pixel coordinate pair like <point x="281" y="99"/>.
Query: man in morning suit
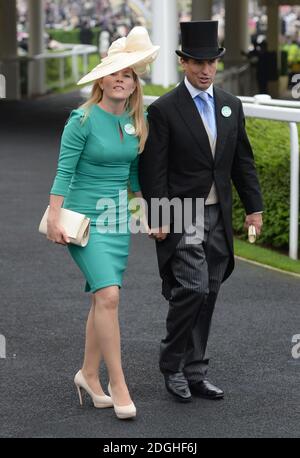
<point x="197" y="147"/>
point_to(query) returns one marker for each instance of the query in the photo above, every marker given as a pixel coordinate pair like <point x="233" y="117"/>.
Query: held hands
<point x="256" y="220"/>
<point x="159" y="234"/>
<point x="55" y="233"/>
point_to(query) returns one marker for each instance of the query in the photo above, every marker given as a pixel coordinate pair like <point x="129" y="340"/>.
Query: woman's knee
<point x="107" y="299"/>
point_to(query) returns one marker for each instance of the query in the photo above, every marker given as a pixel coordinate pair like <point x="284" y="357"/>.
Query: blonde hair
<point x="134" y="104"/>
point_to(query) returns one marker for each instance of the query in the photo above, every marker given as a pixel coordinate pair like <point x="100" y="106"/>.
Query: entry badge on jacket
<point x="226" y="112"/>
<point x="129" y="129"/>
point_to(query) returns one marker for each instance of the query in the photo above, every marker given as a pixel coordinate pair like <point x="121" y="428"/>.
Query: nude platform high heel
<point x="100" y="402"/>
<point x="123" y="412"/>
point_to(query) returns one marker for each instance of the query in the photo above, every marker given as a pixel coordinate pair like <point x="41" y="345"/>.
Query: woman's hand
<point x="56" y="233"/>
<point x="159" y="234"/>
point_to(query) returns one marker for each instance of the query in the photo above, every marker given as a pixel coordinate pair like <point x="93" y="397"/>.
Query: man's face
<point x="200" y="73"/>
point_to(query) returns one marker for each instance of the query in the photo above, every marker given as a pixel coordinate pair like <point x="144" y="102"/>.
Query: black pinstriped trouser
<point x="198" y="270"/>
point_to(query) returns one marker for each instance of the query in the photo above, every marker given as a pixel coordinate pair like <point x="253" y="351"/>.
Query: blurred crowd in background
<point x="111" y="19"/>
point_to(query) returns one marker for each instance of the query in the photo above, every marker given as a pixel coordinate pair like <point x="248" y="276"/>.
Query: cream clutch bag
<point x="76" y="225"/>
<point x="251" y="234"/>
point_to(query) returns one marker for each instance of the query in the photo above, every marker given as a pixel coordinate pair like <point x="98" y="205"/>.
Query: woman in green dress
<point x="98" y="159"/>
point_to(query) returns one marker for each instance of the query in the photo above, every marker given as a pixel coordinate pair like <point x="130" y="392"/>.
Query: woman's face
<point x="118" y="86"/>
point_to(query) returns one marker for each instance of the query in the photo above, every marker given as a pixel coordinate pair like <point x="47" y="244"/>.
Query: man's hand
<point x="256" y="220"/>
<point x="159" y="234"/>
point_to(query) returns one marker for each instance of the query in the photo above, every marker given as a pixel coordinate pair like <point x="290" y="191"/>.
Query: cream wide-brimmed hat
<point x="135" y="51"/>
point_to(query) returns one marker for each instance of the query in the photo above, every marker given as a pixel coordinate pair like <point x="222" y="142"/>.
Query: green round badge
<point x="129" y="129"/>
<point x="226" y="112"/>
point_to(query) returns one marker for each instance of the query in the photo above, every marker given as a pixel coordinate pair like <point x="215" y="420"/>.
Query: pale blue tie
<point x="206" y="109"/>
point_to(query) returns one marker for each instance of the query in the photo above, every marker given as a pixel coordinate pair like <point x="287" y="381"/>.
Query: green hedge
<point x="271" y="145"/>
<point x="52" y="72"/>
<point x="65" y="36"/>
<point x="72" y="36"/>
<point x="52" y="69"/>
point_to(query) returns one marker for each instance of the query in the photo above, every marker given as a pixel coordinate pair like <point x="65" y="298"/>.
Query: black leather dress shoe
<point x="205" y="389"/>
<point x="178" y="386"/>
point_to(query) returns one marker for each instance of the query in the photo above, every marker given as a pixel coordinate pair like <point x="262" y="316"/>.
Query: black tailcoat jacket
<point x="177" y="162"/>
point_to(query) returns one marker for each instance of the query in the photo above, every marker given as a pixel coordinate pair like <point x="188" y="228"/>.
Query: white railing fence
<point x="76" y="52"/>
<point x="264" y="107"/>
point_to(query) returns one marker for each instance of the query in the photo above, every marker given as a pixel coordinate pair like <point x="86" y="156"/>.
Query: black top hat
<point x="200" y="40"/>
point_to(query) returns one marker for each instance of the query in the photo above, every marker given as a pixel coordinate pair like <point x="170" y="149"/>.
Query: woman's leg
<point x="108" y="333"/>
<point x="92" y="353"/>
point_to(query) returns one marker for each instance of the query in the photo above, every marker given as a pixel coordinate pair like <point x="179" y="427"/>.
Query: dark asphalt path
<point x="43" y="310"/>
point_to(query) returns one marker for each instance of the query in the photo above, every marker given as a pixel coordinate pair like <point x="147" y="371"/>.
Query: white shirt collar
<point x="195" y="91"/>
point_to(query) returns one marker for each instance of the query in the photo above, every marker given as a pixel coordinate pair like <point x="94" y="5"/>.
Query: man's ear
<point x="182" y="62"/>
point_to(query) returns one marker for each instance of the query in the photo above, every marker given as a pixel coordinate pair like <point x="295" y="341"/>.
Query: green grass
<point x="265" y="256"/>
<point x="156" y="90"/>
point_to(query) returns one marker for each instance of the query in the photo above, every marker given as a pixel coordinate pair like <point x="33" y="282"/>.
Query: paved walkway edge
<point x="266" y="266"/>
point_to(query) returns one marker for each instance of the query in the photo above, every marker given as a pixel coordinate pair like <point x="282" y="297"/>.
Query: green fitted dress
<point x="98" y="160"/>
